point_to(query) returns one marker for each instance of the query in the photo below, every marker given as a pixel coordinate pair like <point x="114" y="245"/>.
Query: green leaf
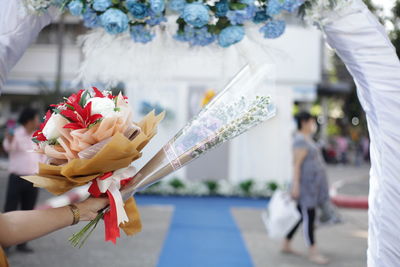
<point x="181" y="25"/>
<point x="94" y="123"/>
<point x="237" y="6"/>
<point x="82" y="102"/>
<point x="272" y="186"/>
<point x="176" y="183"/>
<point x="115" y="2"/>
<point x="212" y="187"/>
<point x="180" y="21"/>
<point x="70" y="107"/>
<point x="246" y="186"/>
<point x="213" y="29"/>
<point x="223" y="23"/>
<point x="53" y="142"/>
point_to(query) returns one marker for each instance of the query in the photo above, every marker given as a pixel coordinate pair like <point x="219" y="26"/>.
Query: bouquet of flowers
<point x="243" y="104"/>
<point x="90" y="138"/>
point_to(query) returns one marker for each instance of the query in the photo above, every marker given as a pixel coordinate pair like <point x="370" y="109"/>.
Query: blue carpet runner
<point x="203" y="232"/>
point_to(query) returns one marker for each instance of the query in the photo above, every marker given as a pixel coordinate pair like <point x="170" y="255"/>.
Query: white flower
<point x="103" y="106"/>
<point x="50" y="130"/>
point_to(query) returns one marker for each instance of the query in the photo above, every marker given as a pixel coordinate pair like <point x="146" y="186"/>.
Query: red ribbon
<point x="110" y="218"/>
<point x="94" y="189"/>
<point x="110" y="221"/>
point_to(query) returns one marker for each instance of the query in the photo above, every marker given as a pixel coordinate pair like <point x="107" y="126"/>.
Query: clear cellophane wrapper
<point x="244" y="103"/>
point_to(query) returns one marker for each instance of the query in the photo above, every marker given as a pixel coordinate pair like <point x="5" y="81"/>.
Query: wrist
<point x="84" y="214"/>
<point x="75" y="211"/>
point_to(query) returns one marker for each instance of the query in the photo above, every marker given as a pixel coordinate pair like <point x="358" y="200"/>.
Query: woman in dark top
<point x="309" y="186"/>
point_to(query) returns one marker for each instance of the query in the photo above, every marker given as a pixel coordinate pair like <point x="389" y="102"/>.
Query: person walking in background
<point x="309" y="186"/>
<point x="342" y="144"/>
<point x="22" y="161"/>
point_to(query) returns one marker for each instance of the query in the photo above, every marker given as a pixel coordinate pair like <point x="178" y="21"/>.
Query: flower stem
<point x="78" y="239"/>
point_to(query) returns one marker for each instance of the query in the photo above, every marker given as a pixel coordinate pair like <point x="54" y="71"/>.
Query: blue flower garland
<point x="200" y="22"/>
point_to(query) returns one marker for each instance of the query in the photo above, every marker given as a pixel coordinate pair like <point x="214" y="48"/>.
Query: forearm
<point x="21" y="226"/>
<point x="296" y="176"/>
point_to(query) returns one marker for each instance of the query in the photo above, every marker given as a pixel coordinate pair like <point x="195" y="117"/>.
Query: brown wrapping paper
<point x="134" y="225"/>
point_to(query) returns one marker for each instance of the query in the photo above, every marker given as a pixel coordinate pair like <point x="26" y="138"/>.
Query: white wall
<point x="171" y="96"/>
<point x="265" y="152"/>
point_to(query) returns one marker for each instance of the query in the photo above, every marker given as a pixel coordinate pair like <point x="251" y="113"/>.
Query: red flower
<point x="75" y="98"/>
<point x="80" y="117"/>
<point x="38" y="135"/>
<point x="98" y="93"/>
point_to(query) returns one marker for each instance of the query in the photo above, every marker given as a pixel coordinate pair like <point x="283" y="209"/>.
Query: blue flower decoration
<point x="75" y="7"/>
<point x="138" y="10"/>
<point x="140" y="34"/>
<point x="221" y="8"/>
<point x="177" y="5"/>
<point x="90" y="18"/>
<point x="155" y="19"/>
<point x="292" y="5"/>
<point x="196" y="36"/>
<point x="274" y="7"/>
<point x="157" y="6"/>
<point x="196" y="14"/>
<point x="101" y="5"/>
<point x="114" y="21"/>
<point x="230" y="35"/>
<point x="260" y="16"/>
<point x="240" y="16"/>
<point x="273" y="29"/>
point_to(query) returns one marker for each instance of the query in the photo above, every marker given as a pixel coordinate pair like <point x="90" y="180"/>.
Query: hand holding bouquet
<point x="90" y="138"/>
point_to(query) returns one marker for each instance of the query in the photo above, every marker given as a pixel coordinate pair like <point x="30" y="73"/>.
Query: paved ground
<point x="345" y="244"/>
<point x="351" y="180"/>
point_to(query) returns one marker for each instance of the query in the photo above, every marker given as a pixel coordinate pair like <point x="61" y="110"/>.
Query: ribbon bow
<point x="110" y="184"/>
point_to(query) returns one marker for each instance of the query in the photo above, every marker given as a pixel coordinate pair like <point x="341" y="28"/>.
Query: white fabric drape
<point x="363" y="45"/>
<point x="18" y="29"/>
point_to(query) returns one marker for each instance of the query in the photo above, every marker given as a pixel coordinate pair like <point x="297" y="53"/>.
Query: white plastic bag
<point x="281" y="215"/>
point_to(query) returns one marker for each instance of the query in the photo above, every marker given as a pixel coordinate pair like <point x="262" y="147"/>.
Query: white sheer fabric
<point x="363" y="45"/>
<point x="18" y="29"/>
